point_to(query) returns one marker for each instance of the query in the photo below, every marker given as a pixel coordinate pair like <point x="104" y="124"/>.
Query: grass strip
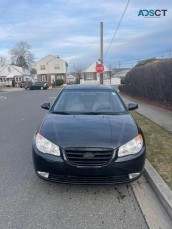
<point x="158" y="146"/>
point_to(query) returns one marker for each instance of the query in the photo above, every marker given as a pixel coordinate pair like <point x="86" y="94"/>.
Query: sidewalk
<point x="164" y="119"/>
<point x="158" y="115"/>
<point x="11" y="89"/>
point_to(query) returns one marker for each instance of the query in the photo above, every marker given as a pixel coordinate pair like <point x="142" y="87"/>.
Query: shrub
<point x="152" y="81"/>
<point x="13" y="83"/>
<point x="59" y="82"/>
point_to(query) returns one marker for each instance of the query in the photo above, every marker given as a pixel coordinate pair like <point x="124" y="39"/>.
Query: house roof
<point x="92" y="67"/>
<point x="2" y="68"/>
<point x="9" y="76"/>
<point x="16" y="68"/>
<point x="70" y="76"/>
<point x="51" y="58"/>
<point x="116" y="70"/>
<point x="121" y="73"/>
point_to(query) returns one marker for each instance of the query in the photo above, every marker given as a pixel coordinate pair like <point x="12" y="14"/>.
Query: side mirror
<point x="46" y="105"/>
<point x="132" y="106"/>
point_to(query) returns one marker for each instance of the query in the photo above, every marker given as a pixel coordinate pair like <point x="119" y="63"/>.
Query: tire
<point x="42" y="88"/>
<point x="28" y="88"/>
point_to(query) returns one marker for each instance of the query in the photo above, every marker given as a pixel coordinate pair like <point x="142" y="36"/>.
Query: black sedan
<point x="37" y="86"/>
<point x="89" y="137"/>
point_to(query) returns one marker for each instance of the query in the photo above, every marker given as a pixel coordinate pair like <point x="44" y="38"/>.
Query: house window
<point x="56" y="66"/>
<point x="18" y="79"/>
<point x="44" y="78"/>
<point x="89" y="76"/>
<point x="60" y="77"/>
<point x="42" y="67"/>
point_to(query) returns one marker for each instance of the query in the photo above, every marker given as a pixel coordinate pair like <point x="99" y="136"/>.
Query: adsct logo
<point x="152" y="13"/>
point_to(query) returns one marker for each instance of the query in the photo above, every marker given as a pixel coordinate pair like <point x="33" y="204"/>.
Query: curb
<point x="159" y="186"/>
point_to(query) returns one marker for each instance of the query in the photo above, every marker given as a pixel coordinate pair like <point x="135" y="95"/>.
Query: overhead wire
<point x="119" y="23"/>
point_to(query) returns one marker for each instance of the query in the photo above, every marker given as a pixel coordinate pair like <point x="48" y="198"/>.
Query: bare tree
<point x="3" y="61"/>
<point x="77" y="69"/>
<point x="21" y="55"/>
<point x="33" y="70"/>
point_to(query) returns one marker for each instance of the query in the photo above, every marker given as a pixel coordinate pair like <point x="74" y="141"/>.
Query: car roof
<point x="88" y="87"/>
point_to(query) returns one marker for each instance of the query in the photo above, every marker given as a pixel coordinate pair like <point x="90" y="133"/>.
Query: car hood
<point x="108" y="131"/>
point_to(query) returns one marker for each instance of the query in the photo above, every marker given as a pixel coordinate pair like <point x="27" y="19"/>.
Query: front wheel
<point x="42" y="88"/>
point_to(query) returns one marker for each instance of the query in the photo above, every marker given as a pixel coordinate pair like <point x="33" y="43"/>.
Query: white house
<point x="119" y="74"/>
<point x="51" y="68"/>
<point x="91" y="76"/>
<point x="10" y="72"/>
<point x="70" y="78"/>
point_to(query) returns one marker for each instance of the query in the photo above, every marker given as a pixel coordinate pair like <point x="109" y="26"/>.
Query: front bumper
<point x="115" y="172"/>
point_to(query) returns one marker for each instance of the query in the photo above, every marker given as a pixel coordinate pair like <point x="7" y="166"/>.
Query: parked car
<point x="37" y="86"/>
<point x="23" y="84"/>
<point x="89" y="137"/>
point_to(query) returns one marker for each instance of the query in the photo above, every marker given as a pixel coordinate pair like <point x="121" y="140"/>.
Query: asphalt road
<point x="29" y="202"/>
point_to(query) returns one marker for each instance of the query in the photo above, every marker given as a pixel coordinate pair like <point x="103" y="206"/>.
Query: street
<point x="29" y="202"/>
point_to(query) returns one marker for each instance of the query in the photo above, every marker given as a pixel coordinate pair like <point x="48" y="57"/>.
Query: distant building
<point x="12" y="72"/>
<point x="118" y="74"/>
<point x="71" y="79"/>
<point x="51" y="68"/>
<point x="110" y="76"/>
<point x="91" y="76"/>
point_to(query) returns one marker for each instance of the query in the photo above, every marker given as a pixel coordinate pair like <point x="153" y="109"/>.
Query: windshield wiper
<point x="60" y="112"/>
<point x="90" y="113"/>
<point x="86" y="113"/>
<point x="103" y="113"/>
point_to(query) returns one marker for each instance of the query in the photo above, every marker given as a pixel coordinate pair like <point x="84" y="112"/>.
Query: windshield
<point x="88" y="102"/>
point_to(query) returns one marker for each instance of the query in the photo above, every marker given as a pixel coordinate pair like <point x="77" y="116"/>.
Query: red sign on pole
<point x="99" y="68"/>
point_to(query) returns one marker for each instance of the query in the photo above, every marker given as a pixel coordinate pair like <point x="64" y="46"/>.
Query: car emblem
<point x="88" y="155"/>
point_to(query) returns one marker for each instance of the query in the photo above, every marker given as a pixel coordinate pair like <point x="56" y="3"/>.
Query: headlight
<point x="45" y="146"/>
<point x="132" y="147"/>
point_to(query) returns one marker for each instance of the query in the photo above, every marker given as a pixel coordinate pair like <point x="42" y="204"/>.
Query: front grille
<point x="89" y="180"/>
<point x="89" y="157"/>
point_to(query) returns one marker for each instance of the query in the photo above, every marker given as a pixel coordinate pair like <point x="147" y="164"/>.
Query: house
<point x="70" y="79"/>
<point x="51" y="68"/>
<point x="91" y="76"/>
<point x="11" y="72"/>
<point x="118" y="75"/>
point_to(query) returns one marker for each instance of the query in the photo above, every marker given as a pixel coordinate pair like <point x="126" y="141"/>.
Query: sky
<point x="71" y="29"/>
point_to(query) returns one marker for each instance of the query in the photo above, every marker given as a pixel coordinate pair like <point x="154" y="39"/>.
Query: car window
<point x="80" y="101"/>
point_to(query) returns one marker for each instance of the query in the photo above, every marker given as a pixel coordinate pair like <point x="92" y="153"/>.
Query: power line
<point x="159" y="55"/>
<point x="118" y="26"/>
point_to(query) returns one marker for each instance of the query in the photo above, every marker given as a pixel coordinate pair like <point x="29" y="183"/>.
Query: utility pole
<point x="110" y="73"/>
<point x="101" y="50"/>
